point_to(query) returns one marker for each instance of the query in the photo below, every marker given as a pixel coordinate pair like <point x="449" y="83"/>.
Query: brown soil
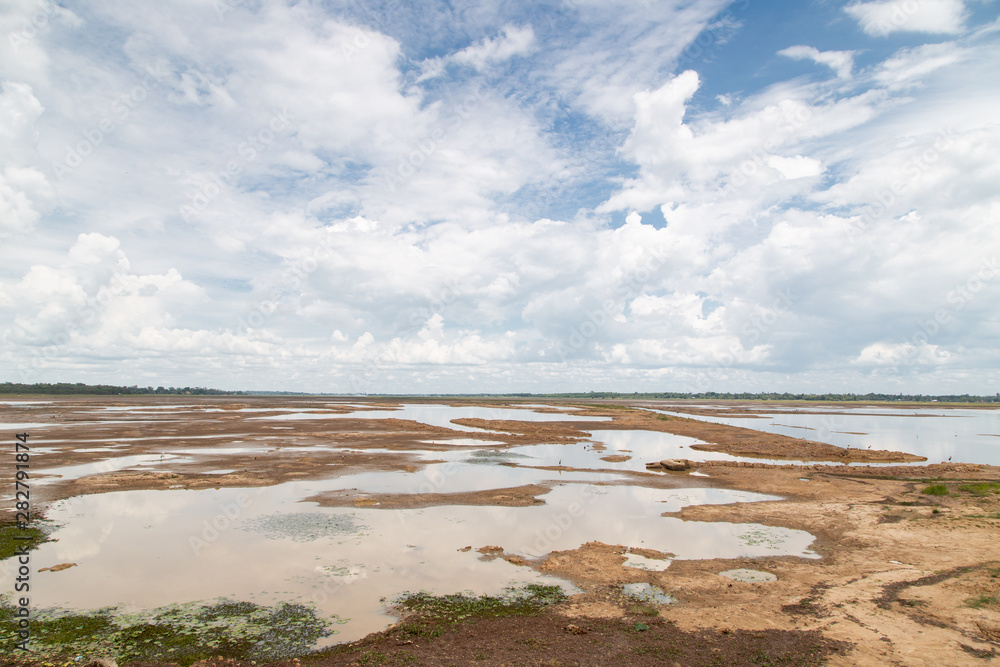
<point x="556" y="639"/>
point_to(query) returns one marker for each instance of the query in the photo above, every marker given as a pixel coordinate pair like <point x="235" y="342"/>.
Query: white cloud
<point x="908" y="67"/>
<point x="740" y="160"/>
<point x="841" y="62"/>
<point x="894" y="354"/>
<point x="25" y="192"/>
<point x="627" y="47"/>
<point x="884" y="17"/>
<point x="796" y="166"/>
<point x="20" y="190"/>
<point x="515" y="41"/>
<point x="92" y="304"/>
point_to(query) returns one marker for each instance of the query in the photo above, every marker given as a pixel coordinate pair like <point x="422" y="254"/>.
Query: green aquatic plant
<point x="182" y="633"/>
<point x="13" y="539"/>
<point x="528" y="600"/>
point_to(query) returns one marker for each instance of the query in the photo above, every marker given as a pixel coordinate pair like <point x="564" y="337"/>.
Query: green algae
<point x="182" y="633"/>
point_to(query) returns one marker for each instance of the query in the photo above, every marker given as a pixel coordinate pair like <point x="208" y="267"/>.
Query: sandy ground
<point x="898" y="567"/>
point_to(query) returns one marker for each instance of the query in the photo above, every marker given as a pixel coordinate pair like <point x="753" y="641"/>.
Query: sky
<point x="466" y="197"/>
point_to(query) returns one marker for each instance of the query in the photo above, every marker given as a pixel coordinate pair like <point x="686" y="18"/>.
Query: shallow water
<point x="67" y="473"/>
<point x="147" y="549"/>
<point x="151" y="548"/>
<point x="962" y="434"/>
<point x="647" y="593"/>
<point x="441" y="415"/>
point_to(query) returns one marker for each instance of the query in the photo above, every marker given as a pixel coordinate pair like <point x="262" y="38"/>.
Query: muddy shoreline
<point x="897" y="565"/>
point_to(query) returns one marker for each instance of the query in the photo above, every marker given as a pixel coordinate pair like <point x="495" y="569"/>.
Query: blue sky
<point x="471" y="197"/>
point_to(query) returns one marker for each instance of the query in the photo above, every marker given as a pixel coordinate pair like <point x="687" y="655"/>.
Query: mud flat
<point x="906" y="569"/>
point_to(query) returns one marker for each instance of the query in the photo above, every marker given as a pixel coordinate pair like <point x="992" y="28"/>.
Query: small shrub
<point x="644" y="610"/>
<point x="935" y="490"/>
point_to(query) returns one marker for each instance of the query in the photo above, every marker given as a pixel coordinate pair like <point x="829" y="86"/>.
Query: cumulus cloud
<point x="894" y="354"/>
<point x="884" y="17"/>
<point x="92" y="304"/>
<point x="841" y="62"/>
<point x="25" y="192"/>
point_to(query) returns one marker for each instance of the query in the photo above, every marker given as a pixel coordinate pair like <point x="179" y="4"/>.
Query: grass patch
<point x="11" y="539"/>
<point x="982" y="600"/>
<point x="935" y="490"/>
<point x="528" y="600"/>
<point x="431" y="615"/>
<point x="668" y="418"/>
<point x="176" y="633"/>
<point x="643" y="610"/>
<point x="981" y="488"/>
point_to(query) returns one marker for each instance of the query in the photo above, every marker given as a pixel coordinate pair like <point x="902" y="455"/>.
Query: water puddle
<point x="647" y="593"/>
<point x="146" y="408"/>
<point x="649" y="564"/>
<point x="647" y="446"/>
<point x="442" y="415"/>
<point x="940" y="435"/>
<point x="464" y="442"/>
<point x="749" y="576"/>
<point x="68" y="473"/>
<point x="20" y="426"/>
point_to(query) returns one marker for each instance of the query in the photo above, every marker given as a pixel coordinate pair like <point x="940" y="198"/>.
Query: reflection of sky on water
<point x="67" y="473"/>
<point x="151" y="548"/>
<point x="645" y="447"/>
<point x="441" y="415"/>
<point x="937" y="434"/>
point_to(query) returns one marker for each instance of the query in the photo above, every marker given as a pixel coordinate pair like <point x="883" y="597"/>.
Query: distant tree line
<point x="81" y="388"/>
<point x="772" y="396"/>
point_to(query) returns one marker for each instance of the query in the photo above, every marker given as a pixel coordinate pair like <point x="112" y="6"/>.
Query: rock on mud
<point x="670" y="464"/>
